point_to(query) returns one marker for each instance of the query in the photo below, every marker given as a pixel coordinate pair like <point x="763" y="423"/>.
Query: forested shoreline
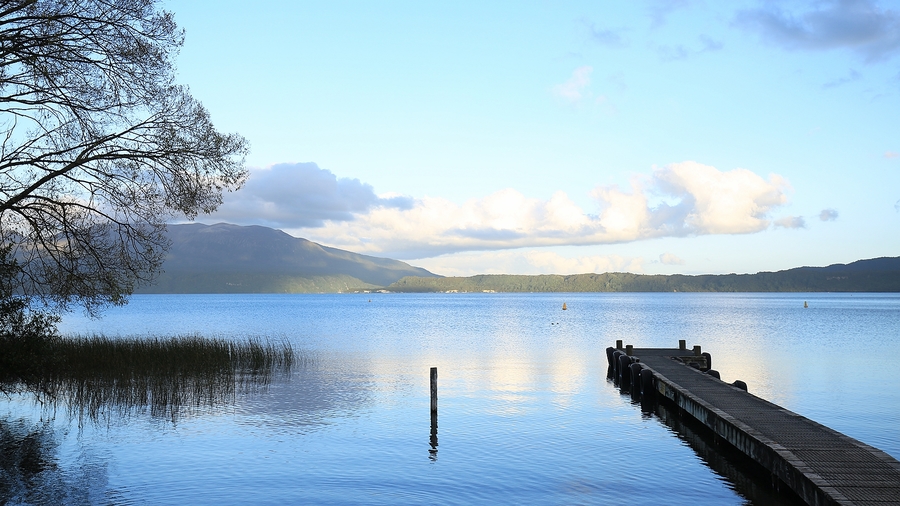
<point x="874" y="275"/>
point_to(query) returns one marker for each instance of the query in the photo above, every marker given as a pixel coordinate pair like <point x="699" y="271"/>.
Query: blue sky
<point x="656" y="136"/>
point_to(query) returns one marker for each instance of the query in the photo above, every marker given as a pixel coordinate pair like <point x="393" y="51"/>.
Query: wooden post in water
<point x="433" y="440"/>
<point x="618" y="344"/>
<point x="682" y="344"/>
<point x="629" y="350"/>
<point x="434" y="390"/>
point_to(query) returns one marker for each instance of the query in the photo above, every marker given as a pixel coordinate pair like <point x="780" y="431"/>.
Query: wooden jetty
<point x="822" y="466"/>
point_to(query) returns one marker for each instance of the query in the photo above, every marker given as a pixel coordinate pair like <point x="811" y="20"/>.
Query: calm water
<point x="526" y="412"/>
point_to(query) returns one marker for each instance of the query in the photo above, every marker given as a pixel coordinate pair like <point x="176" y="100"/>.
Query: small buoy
<point x="370" y="300"/>
<point x="805" y="304"/>
<point x="564" y="306"/>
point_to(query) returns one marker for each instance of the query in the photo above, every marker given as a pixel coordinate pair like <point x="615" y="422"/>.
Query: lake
<point x="526" y="412"/>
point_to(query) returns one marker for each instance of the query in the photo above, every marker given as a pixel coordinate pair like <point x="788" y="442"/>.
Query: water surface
<point x="526" y="412"/>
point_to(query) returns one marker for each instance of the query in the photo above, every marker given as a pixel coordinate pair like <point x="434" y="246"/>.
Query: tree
<point x="100" y="147"/>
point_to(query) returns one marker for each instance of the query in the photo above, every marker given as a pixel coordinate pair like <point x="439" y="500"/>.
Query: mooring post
<point x="629" y="350"/>
<point x="433" y="440"/>
<point x="682" y="344"/>
<point x="618" y="344"/>
<point x="434" y="390"/>
<point x="697" y="350"/>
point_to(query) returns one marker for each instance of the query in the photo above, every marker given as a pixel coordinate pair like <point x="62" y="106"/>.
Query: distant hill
<point x="227" y="258"/>
<point x="874" y="275"/>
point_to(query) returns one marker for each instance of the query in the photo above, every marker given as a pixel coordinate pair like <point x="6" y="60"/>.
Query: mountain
<point x="873" y="275"/>
<point x="225" y="258"/>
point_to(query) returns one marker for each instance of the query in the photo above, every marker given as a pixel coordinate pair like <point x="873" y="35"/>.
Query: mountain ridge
<point x="226" y="258"/>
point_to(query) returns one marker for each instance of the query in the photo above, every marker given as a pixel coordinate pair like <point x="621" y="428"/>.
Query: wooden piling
<point x="434" y="390"/>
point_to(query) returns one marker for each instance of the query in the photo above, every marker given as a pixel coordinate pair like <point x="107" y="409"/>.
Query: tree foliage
<point x="99" y="147"/>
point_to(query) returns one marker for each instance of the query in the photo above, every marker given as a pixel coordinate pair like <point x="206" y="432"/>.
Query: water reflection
<point x="743" y="475"/>
<point x="318" y="391"/>
<point x="31" y="471"/>
<point x="433" y="440"/>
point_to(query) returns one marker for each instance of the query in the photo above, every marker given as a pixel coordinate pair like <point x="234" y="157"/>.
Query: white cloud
<point x="828" y="215"/>
<point x="704" y="201"/>
<point x="574" y="90"/>
<point x="891" y="154"/>
<point x="670" y="259"/>
<point x="535" y="261"/>
<point x="733" y="202"/>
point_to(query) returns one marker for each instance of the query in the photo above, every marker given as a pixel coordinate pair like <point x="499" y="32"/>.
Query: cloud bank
<point x="301" y="195"/>
<point x="859" y="25"/>
<point x="529" y="262"/>
<point x="681" y="199"/>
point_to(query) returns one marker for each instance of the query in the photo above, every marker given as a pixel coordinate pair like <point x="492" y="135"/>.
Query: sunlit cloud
<point x="828" y="215"/>
<point x="575" y="89"/>
<point x="677" y="200"/>
<point x="858" y="25"/>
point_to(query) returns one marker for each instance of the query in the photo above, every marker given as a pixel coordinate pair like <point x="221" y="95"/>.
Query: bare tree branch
<point x="100" y="147"/>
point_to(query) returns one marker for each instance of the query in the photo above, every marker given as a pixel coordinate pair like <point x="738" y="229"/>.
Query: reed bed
<point x="97" y="376"/>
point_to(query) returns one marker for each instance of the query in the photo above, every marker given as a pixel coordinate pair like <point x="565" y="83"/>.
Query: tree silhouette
<point x="99" y="147"/>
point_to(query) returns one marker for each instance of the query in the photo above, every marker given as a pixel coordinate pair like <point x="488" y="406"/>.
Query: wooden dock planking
<point x="819" y="464"/>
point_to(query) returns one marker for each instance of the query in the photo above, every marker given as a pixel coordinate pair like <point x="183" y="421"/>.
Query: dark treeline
<point x="875" y="275"/>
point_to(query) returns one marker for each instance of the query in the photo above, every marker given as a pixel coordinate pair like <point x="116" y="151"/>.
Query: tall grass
<point x="97" y="376"/>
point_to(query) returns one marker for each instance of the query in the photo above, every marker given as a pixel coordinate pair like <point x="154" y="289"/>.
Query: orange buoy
<point x="564" y="306"/>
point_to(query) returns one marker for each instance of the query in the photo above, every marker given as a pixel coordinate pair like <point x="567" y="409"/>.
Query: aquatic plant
<point x="97" y="376"/>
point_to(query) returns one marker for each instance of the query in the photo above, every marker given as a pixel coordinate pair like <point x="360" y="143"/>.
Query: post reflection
<point x="433" y="440"/>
